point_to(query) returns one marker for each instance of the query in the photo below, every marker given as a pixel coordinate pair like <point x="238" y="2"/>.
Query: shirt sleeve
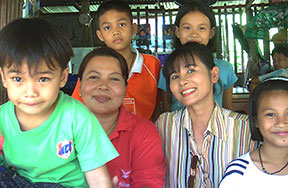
<point x="233" y="175"/>
<point x="162" y="81"/>
<point x="150" y="171"/>
<point x="230" y="76"/>
<point x="280" y="72"/>
<point x="92" y="145"/>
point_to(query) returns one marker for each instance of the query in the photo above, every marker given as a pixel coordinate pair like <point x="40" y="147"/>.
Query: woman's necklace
<point x="264" y="170"/>
<point x="113" y="127"/>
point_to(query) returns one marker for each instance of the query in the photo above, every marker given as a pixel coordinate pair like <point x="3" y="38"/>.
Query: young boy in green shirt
<point x="48" y="136"/>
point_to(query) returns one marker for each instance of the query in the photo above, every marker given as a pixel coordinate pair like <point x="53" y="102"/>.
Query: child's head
<point x="34" y="40"/>
<point x="116" y="5"/>
<point x="190" y="55"/>
<point x="267" y="104"/>
<point x="114" y="24"/>
<point x="195" y="22"/>
<point x="34" y="56"/>
<point x="280" y="57"/>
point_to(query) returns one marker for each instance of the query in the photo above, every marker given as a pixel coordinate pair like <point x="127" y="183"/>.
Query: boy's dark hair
<point x="187" y="53"/>
<point x="281" y="50"/>
<point x="117" y="5"/>
<point x="203" y="8"/>
<point x="34" y="40"/>
<point x="271" y="84"/>
<point x="106" y="52"/>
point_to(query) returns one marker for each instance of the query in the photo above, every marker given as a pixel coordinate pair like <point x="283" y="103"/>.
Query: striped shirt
<point x="226" y="138"/>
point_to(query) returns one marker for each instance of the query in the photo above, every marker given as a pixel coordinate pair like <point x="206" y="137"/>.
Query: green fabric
<point x="36" y="154"/>
<point x="273" y="16"/>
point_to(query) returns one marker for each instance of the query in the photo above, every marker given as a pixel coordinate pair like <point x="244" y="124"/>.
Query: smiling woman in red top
<point x="103" y="77"/>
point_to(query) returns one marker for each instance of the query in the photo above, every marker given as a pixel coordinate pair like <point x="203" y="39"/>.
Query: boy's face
<point x="116" y="30"/>
<point x="34" y="95"/>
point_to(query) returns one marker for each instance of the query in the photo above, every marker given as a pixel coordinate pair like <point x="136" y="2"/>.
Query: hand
<point x="253" y="83"/>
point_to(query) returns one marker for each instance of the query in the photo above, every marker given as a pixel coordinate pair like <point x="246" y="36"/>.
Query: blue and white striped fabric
<point x="243" y="173"/>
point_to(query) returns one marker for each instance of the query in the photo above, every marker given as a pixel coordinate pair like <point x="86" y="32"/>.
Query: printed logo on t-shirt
<point x="64" y="149"/>
<point x="124" y="180"/>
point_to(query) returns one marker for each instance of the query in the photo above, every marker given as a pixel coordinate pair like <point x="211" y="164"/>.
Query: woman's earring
<point x="80" y="94"/>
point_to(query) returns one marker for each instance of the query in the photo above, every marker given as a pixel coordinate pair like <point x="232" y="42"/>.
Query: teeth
<point x="188" y="91"/>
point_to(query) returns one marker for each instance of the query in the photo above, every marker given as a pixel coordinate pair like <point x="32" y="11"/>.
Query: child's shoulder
<point x="6" y="107"/>
<point x="147" y="58"/>
<point x="235" y="171"/>
<point x="67" y="104"/>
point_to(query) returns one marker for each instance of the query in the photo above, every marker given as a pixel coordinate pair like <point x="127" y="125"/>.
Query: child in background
<point x="280" y="65"/>
<point x="115" y="28"/>
<point x="48" y="136"/>
<point x="195" y="22"/>
<point x="267" y="165"/>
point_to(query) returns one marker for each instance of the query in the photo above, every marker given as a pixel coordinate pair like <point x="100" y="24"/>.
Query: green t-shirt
<point x="71" y="141"/>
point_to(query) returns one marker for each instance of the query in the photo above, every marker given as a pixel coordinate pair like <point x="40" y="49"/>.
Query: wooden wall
<point x="9" y="10"/>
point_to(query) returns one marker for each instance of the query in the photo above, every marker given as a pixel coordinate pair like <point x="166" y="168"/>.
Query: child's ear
<point x="215" y="74"/>
<point x="64" y="77"/>
<point x="99" y="35"/>
<point x="212" y="33"/>
<point x="177" y="32"/>
<point x="3" y="78"/>
<point x="134" y="28"/>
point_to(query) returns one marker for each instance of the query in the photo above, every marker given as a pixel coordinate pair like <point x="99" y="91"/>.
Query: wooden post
<point x="87" y="29"/>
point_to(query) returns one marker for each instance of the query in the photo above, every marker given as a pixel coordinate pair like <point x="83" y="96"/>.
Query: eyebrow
<point x="120" y="19"/>
<point x="190" y="65"/>
<point x="11" y="71"/>
<point x="187" y="23"/>
<point x="90" y="72"/>
<point x="186" y="66"/>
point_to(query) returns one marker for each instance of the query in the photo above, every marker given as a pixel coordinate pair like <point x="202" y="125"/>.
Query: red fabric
<point x="1" y="145"/>
<point x="141" y="161"/>
<point x="142" y="88"/>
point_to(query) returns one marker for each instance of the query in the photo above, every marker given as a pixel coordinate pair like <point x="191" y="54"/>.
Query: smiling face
<point x="115" y="30"/>
<point x="102" y="86"/>
<point x="195" y="27"/>
<point x="192" y="84"/>
<point x="272" y="118"/>
<point x="33" y="93"/>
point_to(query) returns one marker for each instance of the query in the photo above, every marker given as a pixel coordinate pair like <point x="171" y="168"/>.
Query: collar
<point x="138" y="63"/>
<point x="123" y="123"/>
<point x="217" y="120"/>
<point x="217" y="125"/>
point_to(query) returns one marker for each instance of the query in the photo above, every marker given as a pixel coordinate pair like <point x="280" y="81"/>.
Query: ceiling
<point x="70" y="6"/>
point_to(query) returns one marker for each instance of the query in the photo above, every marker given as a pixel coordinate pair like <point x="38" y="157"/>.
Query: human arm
<point x="98" y="177"/>
<point x="165" y="96"/>
<point x="166" y="101"/>
<point x="227" y="79"/>
<point x="94" y="150"/>
<point x="157" y="109"/>
<point x="227" y="98"/>
<point x="253" y="83"/>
